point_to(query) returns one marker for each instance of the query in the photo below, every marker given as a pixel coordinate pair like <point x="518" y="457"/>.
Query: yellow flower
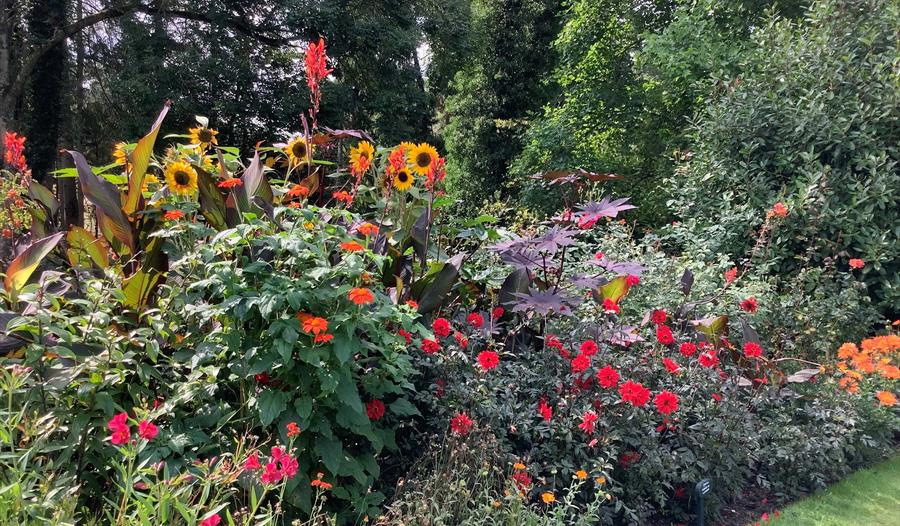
<point x="600" y="480"/>
<point x="203" y="136"/>
<point x="548" y="497"/>
<point x="298" y="151"/>
<point x="407" y="146"/>
<point x="403" y="179"/>
<point x="363" y="150"/>
<point x="519" y="466"/>
<point x="148" y="180"/>
<point x="581" y="474"/>
<point x="421" y="156"/>
<point x="181" y="178"/>
<point x="120" y="154"/>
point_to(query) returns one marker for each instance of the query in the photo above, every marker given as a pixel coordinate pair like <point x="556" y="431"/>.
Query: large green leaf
<point x="615" y="290"/>
<point x="271" y="403"/>
<point x="713" y="328"/>
<point x="140" y="159"/>
<point x="139" y="286"/>
<point x="212" y="204"/>
<point x="41" y="194"/>
<point x="435" y="293"/>
<point x="85" y="249"/>
<point x="24" y="264"/>
<point x="108" y="202"/>
<point x="331" y="451"/>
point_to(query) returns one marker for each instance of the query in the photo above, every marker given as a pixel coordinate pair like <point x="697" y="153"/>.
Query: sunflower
<point x="181" y="178"/>
<point x="298" y="151"/>
<point x="203" y="136"/>
<point x="403" y="179"/>
<point x="148" y="180"/>
<point x="361" y="156"/>
<point x="421" y="156"/>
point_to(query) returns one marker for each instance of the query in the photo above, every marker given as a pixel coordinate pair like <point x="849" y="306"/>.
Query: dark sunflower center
<point x="205" y="135"/>
<point x="299" y="150"/>
<point x="403" y="177"/>
<point x="423" y="159"/>
<point x="182" y="178"/>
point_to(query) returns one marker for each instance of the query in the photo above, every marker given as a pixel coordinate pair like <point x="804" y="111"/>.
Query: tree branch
<point x="263" y="35"/>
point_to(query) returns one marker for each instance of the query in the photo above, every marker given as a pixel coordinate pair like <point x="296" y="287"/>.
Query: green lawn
<point x="869" y="497"/>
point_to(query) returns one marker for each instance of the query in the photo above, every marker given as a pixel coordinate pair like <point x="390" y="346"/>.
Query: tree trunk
<point x="45" y="108"/>
<point x="5" y="23"/>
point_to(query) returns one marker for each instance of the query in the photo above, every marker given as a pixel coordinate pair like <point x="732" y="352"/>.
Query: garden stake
<point x="700" y="492"/>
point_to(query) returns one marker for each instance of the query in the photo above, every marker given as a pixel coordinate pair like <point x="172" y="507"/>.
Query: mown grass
<point x="869" y="497"/>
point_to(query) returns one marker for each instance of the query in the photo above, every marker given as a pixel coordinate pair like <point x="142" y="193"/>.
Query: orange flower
<point x="298" y="191"/>
<point x="581" y="474"/>
<point x="779" y="210"/>
<point x="323" y="338"/>
<point x="319" y="483"/>
<point x="230" y="183"/>
<point x="361" y="296"/>
<point x="343" y="197"/>
<point x="886" y="398"/>
<point x="367" y="229"/>
<point x="857" y="263"/>
<point x="173" y="215"/>
<point x="314" y="325"/>
<point x="292" y="429"/>
<point x="891" y="372"/>
<point x="351" y="246"/>
<point x="848" y="350"/>
<point x="548" y="497"/>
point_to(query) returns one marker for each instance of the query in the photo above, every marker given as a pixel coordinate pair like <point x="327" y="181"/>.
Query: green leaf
<point x="271" y="404"/>
<point x="403" y="407"/>
<point x="348" y="394"/>
<point x="303" y="406"/>
<point x="21" y="268"/>
<point x="434" y="295"/>
<point x="85" y="249"/>
<point x="615" y="290"/>
<point x="331" y="452"/>
<point x="140" y="286"/>
<point x="140" y="159"/>
<point x="212" y="204"/>
<point x="107" y="200"/>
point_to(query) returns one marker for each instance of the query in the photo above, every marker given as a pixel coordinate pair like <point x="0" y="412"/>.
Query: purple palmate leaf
<point x="605" y="208"/>
<point x="543" y="302"/>
<point x="585" y="281"/>
<point x="625" y="336"/>
<point x="619" y="268"/>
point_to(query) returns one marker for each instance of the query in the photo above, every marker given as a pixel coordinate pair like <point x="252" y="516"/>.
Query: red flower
<point x="441" y="327"/>
<point x="312" y="324"/>
<point x="553" y="342"/>
<point x="752" y="350"/>
<point x="497" y="313"/>
<point x="522" y="480"/>
<point x="607" y="377"/>
<point x="147" y="430"/>
<point x="628" y="458"/>
<point x="252" y="462"/>
<point x="589" y="348"/>
<point x="298" y="191"/>
<point x="588" y="422"/>
<point x="289" y="466"/>
<point x="488" y="360"/>
<point x="430" y="346"/>
<point x="598" y="255"/>
<point x="857" y="263"/>
<point x="375" y="410"/>
<point x="212" y="520"/>
<point x="610" y="306"/>
<point x="367" y="229"/>
<point x="717" y="397"/>
<point x="709" y="359"/>
<point x="632" y="280"/>
<point x="361" y="296"/>
<point x="351" y="246"/>
<point x="687" y="349"/>
<point x="271" y="474"/>
<point x="121" y="433"/>
<point x="730" y="275"/>
<point x="14" y="146"/>
<point x="779" y="210"/>
<point x="634" y="393"/>
<point x="581" y="363"/>
<point x="231" y="182"/>
<point x="475" y="320"/>
<point x="319" y="483"/>
<point x="545" y="410"/>
<point x="343" y="197"/>
<point x="659" y="316"/>
<point x="664" y="335"/>
<point x="292" y="429"/>
<point x="406" y="336"/>
<point x="461" y="340"/>
<point x="316" y="65"/>
<point x="439" y="388"/>
<point x="261" y="378"/>
<point x="173" y="215"/>
<point x="323" y="338"/>
<point x="666" y="402"/>
<point x="671" y="366"/>
<point x="461" y="424"/>
<point x="412" y="304"/>
<point x="749" y="305"/>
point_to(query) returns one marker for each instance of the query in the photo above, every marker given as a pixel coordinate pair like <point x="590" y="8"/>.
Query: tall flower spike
<point x="316" y="65"/>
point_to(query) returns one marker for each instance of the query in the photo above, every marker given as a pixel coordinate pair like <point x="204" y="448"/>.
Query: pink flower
<point x="252" y="462"/>
<point x="271" y="474"/>
<point x="120" y="436"/>
<point x="212" y="520"/>
<point x="289" y="466"/>
<point x="117" y="421"/>
<point x="857" y="263"/>
<point x="147" y="430"/>
<point x="475" y="320"/>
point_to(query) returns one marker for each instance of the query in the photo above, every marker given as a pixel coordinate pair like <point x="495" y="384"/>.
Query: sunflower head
<point x="361" y="156"/>
<point x="403" y="179"/>
<point x="203" y="136"/>
<point x="181" y="178"/>
<point x="149" y="179"/>
<point x="298" y="151"/>
<point x="421" y="156"/>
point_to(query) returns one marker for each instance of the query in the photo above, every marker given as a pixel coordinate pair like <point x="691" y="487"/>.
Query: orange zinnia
<point x="351" y="246"/>
<point x="367" y="229"/>
<point x="173" y="215"/>
<point x="886" y="398"/>
<point x="298" y="191"/>
<point x="314" y="325"/>
<point x="361" y="296"/>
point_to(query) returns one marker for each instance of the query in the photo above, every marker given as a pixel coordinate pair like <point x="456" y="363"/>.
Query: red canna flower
<point x="608" y="377"/>
<point x="461" y="424"/>
<point x="475" y="320"/>
<point x="147" y="430"/>
<point x="375" y="409"/>
<point x="687" y="349"/>
<point x="664" y="335"/>
<point x="441" y="327"/>
<point x="749" y="305"/>
<point x="488" y="360"/>
<point x="14" y="148"/>
<point x="666" y="402"/>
